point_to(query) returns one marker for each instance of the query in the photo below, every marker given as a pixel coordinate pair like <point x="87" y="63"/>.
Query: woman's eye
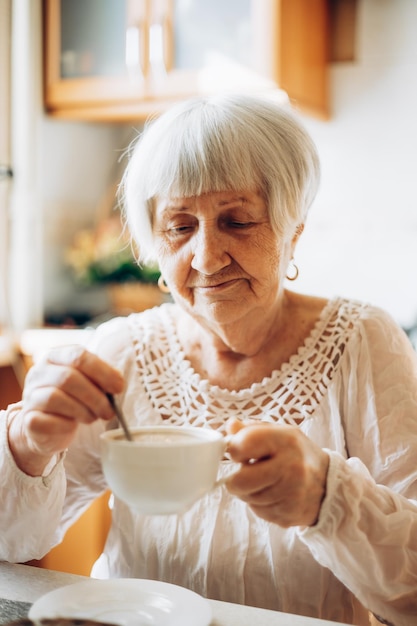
<point x="179" y="230"/>
<point x="239" y="225"/>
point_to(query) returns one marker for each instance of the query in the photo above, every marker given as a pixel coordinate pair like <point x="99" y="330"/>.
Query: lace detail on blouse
<point x="289" y="395"/>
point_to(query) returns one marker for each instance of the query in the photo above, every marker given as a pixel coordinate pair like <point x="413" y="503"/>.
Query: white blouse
<point x="353" y="384"/>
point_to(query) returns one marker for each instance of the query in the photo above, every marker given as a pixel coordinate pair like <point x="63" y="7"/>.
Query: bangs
<point x="221" y="144"/>
<point x="201" y="158"/>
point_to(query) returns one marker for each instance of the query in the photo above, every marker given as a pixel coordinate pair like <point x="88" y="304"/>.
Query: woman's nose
<point x="210" y="251"/>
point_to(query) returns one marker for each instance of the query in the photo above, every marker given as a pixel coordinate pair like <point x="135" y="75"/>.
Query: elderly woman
<point x="320" y="395"/>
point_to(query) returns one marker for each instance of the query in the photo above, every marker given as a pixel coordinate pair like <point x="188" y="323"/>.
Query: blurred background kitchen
<point x="78" y="78"/>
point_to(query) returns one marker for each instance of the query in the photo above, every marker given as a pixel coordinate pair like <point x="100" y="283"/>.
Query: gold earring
<point x="163" y="285"/>
<point x="294" y="276"/>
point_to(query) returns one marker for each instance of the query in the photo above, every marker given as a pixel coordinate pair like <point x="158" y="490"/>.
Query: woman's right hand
<point x="66" y="387"/>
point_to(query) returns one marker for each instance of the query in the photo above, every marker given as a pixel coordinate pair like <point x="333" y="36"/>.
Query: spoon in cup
<point x="120" y="417"/>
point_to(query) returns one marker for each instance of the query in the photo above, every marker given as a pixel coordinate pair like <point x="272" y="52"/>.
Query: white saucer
<point x="126" y="602"/>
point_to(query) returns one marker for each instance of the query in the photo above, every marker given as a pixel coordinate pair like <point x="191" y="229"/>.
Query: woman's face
<point x="219" y="255"/>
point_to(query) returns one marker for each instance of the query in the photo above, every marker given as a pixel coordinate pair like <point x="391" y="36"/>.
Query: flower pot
<point x="132" y="297"/>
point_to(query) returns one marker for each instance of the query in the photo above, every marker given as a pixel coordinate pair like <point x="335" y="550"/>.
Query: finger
<point x="255" y="442"/>
<point x="98" y="371"/>
<point x="254" y="479"/>
<point x="233" y="426"/>
<point x="53" y="388"/>
<point x="55" y="401"/>
<point x="49" y="433"/>
<point x="76" y="372"/>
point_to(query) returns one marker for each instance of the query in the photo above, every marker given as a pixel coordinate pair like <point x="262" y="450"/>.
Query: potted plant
<point x="105" y="256"/>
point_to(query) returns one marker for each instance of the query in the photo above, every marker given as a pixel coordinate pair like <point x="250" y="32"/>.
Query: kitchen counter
<point x="33" y="342"/>
<point x="21" y="585"/>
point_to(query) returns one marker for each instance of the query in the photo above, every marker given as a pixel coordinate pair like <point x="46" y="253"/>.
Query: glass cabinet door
<point x="92" y="41"/>
<point x="95" y="52"/>
<point x="204" y="45"/>
<point x="126" y="59"/>
<point x="203" y="29"/>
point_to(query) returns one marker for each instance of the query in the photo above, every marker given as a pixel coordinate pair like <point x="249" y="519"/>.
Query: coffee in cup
<point x="165" y="469"/>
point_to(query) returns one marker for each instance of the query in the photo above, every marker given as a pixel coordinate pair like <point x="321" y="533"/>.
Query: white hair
<point x="220" y="143"/>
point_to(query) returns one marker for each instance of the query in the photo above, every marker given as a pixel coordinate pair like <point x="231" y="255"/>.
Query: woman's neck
<point x="244" y="337"/>
<point x="234" y="356"/>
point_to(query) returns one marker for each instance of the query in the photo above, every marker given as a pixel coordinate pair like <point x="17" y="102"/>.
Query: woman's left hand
<point x="283" y="473"/>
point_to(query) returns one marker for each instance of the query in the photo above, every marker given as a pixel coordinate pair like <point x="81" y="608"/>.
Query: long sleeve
<point x="36" y="512"/>
<point x="30" y="506"/>
<point x="367" y="531"/>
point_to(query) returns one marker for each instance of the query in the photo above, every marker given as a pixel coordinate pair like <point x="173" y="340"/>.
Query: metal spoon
<point x="120" y="417"/>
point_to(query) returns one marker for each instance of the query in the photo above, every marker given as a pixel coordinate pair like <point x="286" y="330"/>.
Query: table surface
<point x="21" y="585"/>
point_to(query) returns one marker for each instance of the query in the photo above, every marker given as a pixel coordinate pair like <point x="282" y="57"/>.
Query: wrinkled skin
<point x="225" y="266"/>
<point x="283" y="473"/>
<point x="66" y="388"/>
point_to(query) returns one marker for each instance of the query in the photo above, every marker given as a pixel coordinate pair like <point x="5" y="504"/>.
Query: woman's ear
<point x="299" y="229"/>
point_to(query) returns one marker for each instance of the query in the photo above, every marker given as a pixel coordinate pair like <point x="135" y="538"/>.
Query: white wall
<point x="361" y="236"/>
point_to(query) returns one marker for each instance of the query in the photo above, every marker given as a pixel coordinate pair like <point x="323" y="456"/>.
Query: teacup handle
<point x="221" y="481"/>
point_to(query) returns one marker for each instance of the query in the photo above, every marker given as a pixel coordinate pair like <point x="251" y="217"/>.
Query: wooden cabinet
<point x="83" y="542"/>
<point x="10" y="385"/>
<point x="302" y="68"/>
<point x="122" y="60"/>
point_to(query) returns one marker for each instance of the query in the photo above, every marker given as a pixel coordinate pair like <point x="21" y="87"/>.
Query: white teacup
<point x="165" y="469"/>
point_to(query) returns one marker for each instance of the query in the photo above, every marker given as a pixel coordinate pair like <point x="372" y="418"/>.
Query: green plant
<point x="105" y="255"/>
